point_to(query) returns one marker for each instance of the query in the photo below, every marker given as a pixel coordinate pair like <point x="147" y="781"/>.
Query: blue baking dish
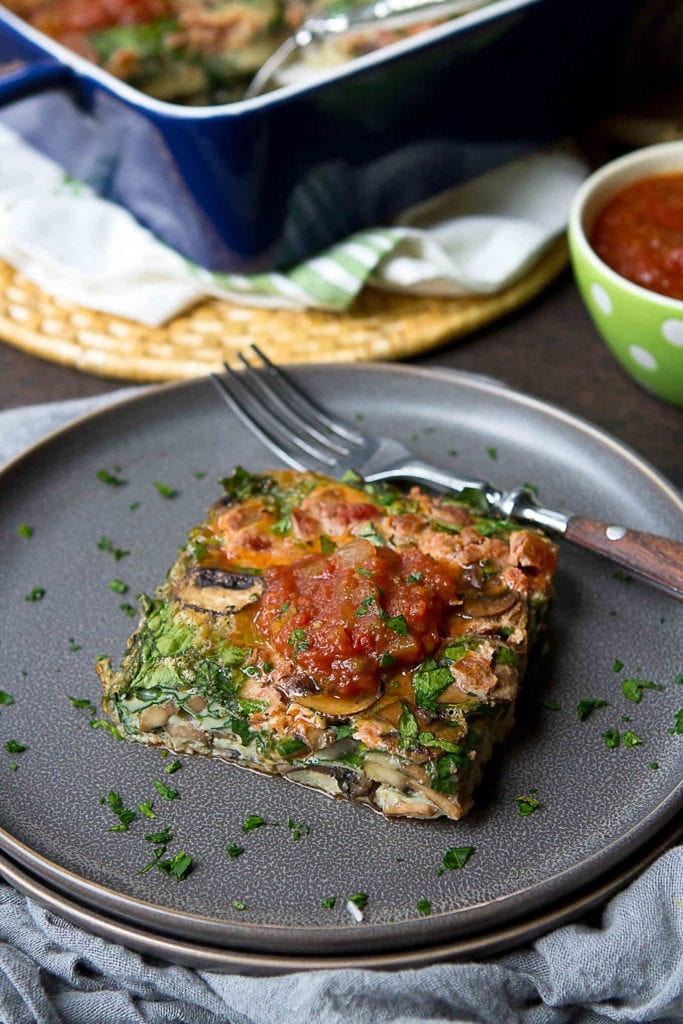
<point x="263" y="183"/>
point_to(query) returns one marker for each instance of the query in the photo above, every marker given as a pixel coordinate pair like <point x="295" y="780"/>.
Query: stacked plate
<point x="606" y="808"/>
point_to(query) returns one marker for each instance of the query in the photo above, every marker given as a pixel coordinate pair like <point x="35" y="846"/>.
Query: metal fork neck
<point x="520" y="504"/>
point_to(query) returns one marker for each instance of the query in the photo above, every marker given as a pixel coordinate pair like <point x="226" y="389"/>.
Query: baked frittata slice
<point x="352" y="638"/>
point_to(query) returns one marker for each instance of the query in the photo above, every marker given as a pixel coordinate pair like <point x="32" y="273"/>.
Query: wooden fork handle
<point x="658" y="560"/>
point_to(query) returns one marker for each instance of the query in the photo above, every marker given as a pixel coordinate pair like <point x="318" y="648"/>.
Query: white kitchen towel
<point x="477" y="238"/>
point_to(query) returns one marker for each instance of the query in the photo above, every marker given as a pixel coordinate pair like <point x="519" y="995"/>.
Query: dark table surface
<point x="548" y="349"/>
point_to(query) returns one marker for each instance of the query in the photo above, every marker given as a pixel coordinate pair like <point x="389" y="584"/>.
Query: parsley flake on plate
<point x="587" y="705"/>
<point x="633" y="688"/>
<point x="456" y="857"/>
<point x="527" y="805"/>
<point x="164" y="490"/>
<point x="15" y="747"/>
<point x="36" y="594"/>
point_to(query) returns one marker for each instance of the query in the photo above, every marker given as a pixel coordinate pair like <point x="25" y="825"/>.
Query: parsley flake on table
<point x="359" y="900"/>
<point x="677" y="729"/>
<point x="118" y="586"/>
<point x="146" y="809"/>
<point x="6" y="698"/>
<point x="631" y="740"/>
<point x="37" y="594"/>
<point x="423" y="907"/>
<point x="233" y="850"/>
<point x="617" y="666"/>
<point x="328" y="902"/>
<point x="633" y="688"/>
<point x="492" y="452"/>
<point x="24" y="530"/>
<point x="73" y="646"/>
<point x="239" y="905"/>
<point x="587" y="705"/>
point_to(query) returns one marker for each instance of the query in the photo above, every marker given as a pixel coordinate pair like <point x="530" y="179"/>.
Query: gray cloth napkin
<point x="624" y="965"/>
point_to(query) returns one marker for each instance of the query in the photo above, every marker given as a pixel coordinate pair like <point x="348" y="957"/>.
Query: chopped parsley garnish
<point x="611" y="738"/>
<point x="492" y="452"/>
<point x="37" y="594"/>
<point x="631" y="740"/>
<point x="359" y="900"/>
<point x="118" y="586"/>
<point x="328" y="903"/>
<point x="15" y="747"/>
<point x="408" y="728"/>
<point x="617" y="666"/>
<point x="146" y="809"/>
<point x="633" y="688"/>
<point x="429" y="681"/>
<point x="587" y="705"/>
<point x="110" y="478"/>
<point x="161" y="838"/>
<point x="200" y="474"/>
<point x="526" y="805"/>
<point x="551" y="705"/>
<point x="102" y="723"/>
<point x="127" y="609"/>
<point x="364" y="607"/>
<point x="298" y="829"/>
<point x="679" y="678"/>
<point x="424" y="907"/>
<point x="327" y="545"/>
<point x="677" y="729"/>
<point x="414" y="577"/>
<point x="105" y="544"/>
<point x="24" y="530"/>
<point x="369" y="532"/>
<point x="73" y="646"/>
<point x="366" y="573"/>
<point x="387" y="660"/>
<point x="6" y="698"/>
<point x="398" y="624"/>
<point x="125" y="815"/>
<point x="456" y="857"/>
<point x="174" y="766"/>
<point x="83" y="702"/>
<point x="232" y="850"/>
<point x="164" y="490"/>
<point x="253" y="821"/>
<point x="282" y="527"/>
<point x="298" y="640"/>
<point x="653" y="765"/>
<point x="165" y="791"/>
<point x="239" y="905"/>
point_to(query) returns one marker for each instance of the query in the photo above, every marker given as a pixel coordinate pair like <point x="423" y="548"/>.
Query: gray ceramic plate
<point x="213" y="958"/>
<point x="598" y="806"/>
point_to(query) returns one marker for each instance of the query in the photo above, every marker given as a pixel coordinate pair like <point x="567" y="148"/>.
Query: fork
<point x="306" y="437"/>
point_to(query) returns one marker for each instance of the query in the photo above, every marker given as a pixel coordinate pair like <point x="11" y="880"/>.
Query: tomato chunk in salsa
<point x="347" y="617"/>
<point x="639" y="234"/>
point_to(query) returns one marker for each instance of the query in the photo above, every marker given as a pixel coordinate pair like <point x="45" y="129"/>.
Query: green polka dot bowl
<point x="643" y="329"/>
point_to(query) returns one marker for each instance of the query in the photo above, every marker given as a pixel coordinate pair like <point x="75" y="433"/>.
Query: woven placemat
<point x="381" y="325"/>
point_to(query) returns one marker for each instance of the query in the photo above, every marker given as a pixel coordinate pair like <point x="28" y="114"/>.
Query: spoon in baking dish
<point x="306" y="437"/>
<point x="383" y="13"/>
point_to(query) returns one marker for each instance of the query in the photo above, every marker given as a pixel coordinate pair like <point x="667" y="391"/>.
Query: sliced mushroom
<point x="305" y="690"/>
<point x="482" y="605"/>
<point x="337" y="707"/>
<point x="218" y="591"/>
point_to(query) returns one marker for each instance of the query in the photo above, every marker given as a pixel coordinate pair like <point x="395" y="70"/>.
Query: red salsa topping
<point x="345" y="618"/>
<point x="639" y="234"/>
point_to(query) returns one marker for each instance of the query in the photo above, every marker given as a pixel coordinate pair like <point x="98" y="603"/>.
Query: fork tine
<point x="305" y="405"/>
<point x="265" y="426"/>
<point x="270" y="393"/>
